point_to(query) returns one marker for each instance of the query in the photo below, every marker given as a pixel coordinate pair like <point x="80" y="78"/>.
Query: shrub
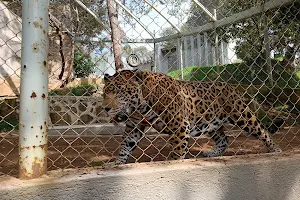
<point x="241" y="73"/>
<point x="83" y="64"/>
<point x="81" y="90"/>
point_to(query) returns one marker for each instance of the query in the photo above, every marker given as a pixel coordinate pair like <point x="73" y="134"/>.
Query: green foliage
<point x="81" y="23"/>
<point x="89" y="26"/>
<point x="282" y="23"/>
<point x="188" y="73"/>
<point x="241" y="73"/>
<point x="8" y="125"/>
<point x="84" y="90"/>
<point x="83" y="64"/>
<point x="81" y="90"/>
<point x="207" y="73"/>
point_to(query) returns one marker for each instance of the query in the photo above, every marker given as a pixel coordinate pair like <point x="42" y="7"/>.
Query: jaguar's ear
<point x="138" y="74"/>
<point x="106" y="77"/>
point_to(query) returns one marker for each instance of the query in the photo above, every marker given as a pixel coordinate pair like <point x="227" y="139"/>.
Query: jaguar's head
<point x="121" y="93"/>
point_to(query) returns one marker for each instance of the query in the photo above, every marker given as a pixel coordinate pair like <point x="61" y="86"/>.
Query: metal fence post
<point x="155" y="53"/>
<point x="180" y="56"/>
<point x="216" y="55"/>
<point x="267" y="49"/>
<point x="33" y="126"/>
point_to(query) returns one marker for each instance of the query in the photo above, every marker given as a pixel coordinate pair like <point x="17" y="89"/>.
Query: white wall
<point x="10" y="42"/>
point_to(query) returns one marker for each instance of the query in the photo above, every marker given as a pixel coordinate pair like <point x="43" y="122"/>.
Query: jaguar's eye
<point x="110" y="88"/>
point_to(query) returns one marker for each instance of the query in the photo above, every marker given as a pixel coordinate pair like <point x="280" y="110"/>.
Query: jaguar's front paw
<point x="212" y="153"/>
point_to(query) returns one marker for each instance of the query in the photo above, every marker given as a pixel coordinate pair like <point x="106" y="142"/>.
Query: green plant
<point x="241" y="73"/>
<point x="84" y="90"/>
<point x="83" y="64"/>
<point x="8" y="125"/>
<point x="80" y="90"/>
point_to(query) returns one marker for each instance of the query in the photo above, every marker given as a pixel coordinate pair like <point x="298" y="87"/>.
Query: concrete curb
<point x="260" y="177"/>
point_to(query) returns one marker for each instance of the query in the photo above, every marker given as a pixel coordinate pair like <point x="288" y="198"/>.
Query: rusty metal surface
<point x="34" y="81"/>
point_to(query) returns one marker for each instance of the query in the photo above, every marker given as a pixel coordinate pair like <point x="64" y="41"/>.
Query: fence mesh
<point x="252" y="46"/>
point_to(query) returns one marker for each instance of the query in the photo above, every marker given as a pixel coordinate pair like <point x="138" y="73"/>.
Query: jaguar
<point x="181" y="109"/>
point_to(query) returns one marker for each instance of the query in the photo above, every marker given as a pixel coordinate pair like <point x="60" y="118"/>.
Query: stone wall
<point x="63" y="110"/>
<point x="71" y="110"/>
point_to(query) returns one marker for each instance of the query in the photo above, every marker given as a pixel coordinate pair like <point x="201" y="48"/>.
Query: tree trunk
<point x="115" y="34"/>
<point x="71" y="61"/>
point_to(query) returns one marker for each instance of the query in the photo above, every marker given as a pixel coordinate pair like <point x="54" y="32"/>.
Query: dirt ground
<point x="84" y="151"/>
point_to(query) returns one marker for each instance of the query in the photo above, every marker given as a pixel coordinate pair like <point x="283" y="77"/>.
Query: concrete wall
<point x="260" y="177"/>
<point x="10" y="51"/>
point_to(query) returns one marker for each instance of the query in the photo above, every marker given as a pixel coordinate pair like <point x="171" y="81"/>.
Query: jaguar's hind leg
<point x="251" y="125"/>
<point x="179" y="142"/>
<point x="221" y="141"/>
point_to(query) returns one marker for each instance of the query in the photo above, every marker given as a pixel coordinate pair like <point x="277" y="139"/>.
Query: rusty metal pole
<point x="33" y="131"/>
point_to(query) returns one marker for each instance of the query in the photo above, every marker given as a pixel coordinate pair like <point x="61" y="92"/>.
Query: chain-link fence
<point x="250" y="46"/>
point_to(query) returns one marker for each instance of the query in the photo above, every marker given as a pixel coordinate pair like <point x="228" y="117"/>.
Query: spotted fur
<point x="178" y="108"/>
